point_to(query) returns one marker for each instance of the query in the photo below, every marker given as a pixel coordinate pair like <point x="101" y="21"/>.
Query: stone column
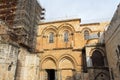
<point x="59" y="74"/>
<point x="89" y="61"/>
<point x="43" y="75"/>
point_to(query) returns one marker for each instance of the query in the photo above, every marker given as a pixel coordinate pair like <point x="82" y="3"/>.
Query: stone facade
<point x="68" y="57"/>
<point x="112" y="41"/>
<point x="60" y="47"/>
<point x="28" y="66"/>
<point x="58" y="50"/>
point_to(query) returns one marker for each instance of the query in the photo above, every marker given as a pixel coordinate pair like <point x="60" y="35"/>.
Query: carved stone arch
<point x="86" y="28"/>
<point x="68" y="60"/>
<point x="97" y="57"/>
<point x="99" y="49"/>
<point x="48" y="29"/>
<point x="86" y="31"/>
<point x="48" y="62"/>
<point x="66" y="26"/>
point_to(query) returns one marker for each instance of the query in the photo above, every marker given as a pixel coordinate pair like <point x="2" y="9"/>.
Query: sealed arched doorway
<point x="97" y="59"/>
<point x="67" y="68"/>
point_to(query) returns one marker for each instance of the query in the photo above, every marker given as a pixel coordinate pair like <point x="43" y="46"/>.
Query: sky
<point x="86" y="10"/>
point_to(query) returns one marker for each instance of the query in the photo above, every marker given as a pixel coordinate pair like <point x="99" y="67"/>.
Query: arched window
<point x="86" y="34"/>
<point x="66" y="35"/>
<point x="97" y="58"/>
<point x="51" y="37"/>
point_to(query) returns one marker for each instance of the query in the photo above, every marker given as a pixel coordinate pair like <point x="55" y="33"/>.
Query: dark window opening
<point x="51" y="74"/>
<point x="97" y="59"/>
<point x="51" y="37"/>
<point x="119" y="68"/>
<point x="86" y="34"/>
<point x="119" y="49"/>
<point x="66" y="35"/>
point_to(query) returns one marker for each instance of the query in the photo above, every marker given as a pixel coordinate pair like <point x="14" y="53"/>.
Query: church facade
<point x="64" y="46"/>
<point x="56" y="50"/>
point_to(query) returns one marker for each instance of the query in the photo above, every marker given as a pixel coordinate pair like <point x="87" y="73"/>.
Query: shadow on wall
<point x="76" y="76"/>
<point x="94" y="74"/>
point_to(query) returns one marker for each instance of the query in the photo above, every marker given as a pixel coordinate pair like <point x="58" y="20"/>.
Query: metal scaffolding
<point x="22" y="16"/>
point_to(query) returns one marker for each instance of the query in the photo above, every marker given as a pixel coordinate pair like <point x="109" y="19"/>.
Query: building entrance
<point x="50" y="74"/>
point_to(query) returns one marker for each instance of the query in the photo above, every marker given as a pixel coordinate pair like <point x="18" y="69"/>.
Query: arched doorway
<point x="98" y="70"/>
<point x="66" y="66"/>
<point x="48" y="69"/>
<point x="97" y="59"/>
<point x="51" y="74"/>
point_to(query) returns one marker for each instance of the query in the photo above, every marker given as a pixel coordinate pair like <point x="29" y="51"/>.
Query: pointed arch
<point x="86" y="28"/>
<point x="99" y="49"/>
<point x="66" y="26"/>
<point x="67" y="60"/>
<point x="48" y="62"/>
<point x="97" y="57"/>
<point x="49" y="29"/>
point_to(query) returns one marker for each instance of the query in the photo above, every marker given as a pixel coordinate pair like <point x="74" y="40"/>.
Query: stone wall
<point x="98" y="74"/>
<point x="112" y="41"/>
<point x="28" y="65"/>
<point x="31" y="66"/>
<point x="8" y="60"/>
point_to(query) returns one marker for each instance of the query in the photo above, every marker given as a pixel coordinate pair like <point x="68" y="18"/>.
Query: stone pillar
<point x="59" y="74"/>
<point x="43" y="75"/>
<point x="89" y="61"/>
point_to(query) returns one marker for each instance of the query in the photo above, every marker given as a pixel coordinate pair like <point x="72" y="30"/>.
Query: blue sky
<point x="87" y="10"/>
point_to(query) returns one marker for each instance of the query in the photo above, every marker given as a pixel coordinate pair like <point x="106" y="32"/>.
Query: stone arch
<point x="97" y="58"/>
<point x="66" y="26"/>
<point x="99" y="49"/>
<point x="86" y="28"/>
<point x="86" y="32"/>
<point x="67" y="65"/>
<point x="67" y="60"/>
<point x="49" y="29"/>
<point x="49" y="62"/>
